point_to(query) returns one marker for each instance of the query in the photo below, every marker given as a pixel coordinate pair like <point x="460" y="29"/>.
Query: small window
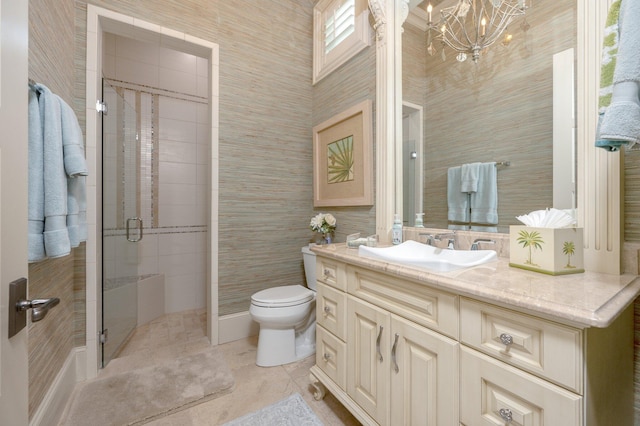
<point x="341" y="30"/>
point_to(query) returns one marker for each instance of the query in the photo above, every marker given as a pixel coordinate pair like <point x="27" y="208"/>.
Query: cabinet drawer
<point x="331" y="272"/>
<point x="331" y="312"/>
<point x="493" y="392"/>
<point x="419" y="303"/>
<point x="331" y="356"/>
<point x="544" y="348"/>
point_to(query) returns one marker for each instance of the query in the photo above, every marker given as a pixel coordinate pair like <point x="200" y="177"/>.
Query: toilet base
<point x="278" y="347"/>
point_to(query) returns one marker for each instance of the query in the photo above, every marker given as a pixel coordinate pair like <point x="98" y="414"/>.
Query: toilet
<point x="287" y="318"/>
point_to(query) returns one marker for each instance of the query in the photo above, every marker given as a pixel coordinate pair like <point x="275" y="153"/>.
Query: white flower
<point x="322" y="222"/>
<point x="331" y="221"/>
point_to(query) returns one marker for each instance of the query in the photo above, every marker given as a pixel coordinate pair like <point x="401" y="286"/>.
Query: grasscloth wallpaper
<point x="267" y="110"/>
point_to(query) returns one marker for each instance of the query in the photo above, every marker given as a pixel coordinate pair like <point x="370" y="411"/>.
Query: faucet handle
<point x="476" y="244"/>
<point x="430" y="237"/>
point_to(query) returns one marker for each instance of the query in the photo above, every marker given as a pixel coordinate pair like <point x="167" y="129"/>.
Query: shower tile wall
<point x="176" y="215"/>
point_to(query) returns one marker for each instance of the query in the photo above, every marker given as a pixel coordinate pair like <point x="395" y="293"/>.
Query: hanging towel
<point x="469" y="177"/>
<point x="36" y="181"/>
<point x="619" y="114"/>
<point x="72" y="142"/>
<point x="457" y="200"/>
<point x="484" y="202"/>
<point x="56" y="236"/>
<point x="76" y="210"/>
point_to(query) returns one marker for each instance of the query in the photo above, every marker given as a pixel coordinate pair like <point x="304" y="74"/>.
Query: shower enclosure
<point x="127" y="158"/>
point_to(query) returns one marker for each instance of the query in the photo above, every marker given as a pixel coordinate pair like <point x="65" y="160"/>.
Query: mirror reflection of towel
<point x="484" y="202"/>
<point x="470" y="173"/>
<point x="457" y="201"/>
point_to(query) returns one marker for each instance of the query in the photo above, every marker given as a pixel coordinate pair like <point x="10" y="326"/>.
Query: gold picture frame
<point x="343" y="159"/>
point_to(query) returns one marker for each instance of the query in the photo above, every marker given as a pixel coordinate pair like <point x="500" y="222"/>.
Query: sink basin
<point x="420" y="255"/>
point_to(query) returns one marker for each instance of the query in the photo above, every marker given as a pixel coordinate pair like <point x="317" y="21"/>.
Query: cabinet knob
<point x="327" y="310"/>
<point x="506" y="414"/>
<point x="326" y="356"/>
<point x="506" y="339"/>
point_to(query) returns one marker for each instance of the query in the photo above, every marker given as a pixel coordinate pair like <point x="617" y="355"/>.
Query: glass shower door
<point x="121" y="223"/>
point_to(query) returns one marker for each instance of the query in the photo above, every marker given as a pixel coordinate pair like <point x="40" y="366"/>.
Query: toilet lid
<point x="278" y="297"/>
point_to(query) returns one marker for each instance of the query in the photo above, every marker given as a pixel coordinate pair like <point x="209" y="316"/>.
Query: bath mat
<point x="291" y="411"/>
<point x="139" y="396"/>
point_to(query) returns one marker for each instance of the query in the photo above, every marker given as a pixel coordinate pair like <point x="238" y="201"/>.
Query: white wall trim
<point x="237" y="326"/>
<point x="58" y="396"/>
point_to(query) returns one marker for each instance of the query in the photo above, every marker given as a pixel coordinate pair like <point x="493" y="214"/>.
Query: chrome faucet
<point x="430" y="238"/>
<point x="451" y="236"/>
<point x="478" y="241"/>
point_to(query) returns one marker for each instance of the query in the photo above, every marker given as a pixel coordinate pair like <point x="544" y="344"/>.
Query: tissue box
<point x="554" y="251"/>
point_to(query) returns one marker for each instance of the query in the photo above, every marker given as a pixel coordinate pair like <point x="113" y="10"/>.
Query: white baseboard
<point x="236" y="326"/>
<point x="57" y="397"/>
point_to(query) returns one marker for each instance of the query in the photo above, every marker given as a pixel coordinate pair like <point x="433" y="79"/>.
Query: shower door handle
<point x="139" y="227"/>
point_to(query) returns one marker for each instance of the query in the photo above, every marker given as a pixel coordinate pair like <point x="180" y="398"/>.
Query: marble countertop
<point x="587" y="299"/>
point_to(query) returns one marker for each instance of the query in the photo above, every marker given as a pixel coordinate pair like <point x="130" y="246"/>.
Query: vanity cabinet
<point x="398" y="372"/>
<point x="399" y="351"/>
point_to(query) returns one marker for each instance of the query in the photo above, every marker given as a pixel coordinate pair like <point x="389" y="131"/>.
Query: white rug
<point x="139" y="396"/>
<point x="291" y="411"/>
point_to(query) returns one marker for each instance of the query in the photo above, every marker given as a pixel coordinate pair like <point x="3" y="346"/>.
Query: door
<point x="14" y="36"/>
<point x="424" y="376"/>
<point x="121" y="216"/>
<point x="368" y="355"/>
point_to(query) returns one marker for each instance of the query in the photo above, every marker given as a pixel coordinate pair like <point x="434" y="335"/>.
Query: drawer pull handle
<point x="506" y="415"/>
<point x="326" y="356"/>
<point x="506" y="339"/>
<point x="327" y="273"/>
<point x="327" y="310"/>
<point x="393" y="353"/>
<point x="378" y="344"/>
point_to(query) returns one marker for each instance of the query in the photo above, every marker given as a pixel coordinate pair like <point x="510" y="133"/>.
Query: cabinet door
<point x="424" y="376"/>
<point x="368" y="358"/>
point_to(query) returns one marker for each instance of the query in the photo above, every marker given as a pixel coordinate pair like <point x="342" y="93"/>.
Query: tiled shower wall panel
<point x="172" y="186"/>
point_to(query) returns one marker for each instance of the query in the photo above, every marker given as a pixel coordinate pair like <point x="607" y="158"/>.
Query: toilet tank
<point x="309" y="258"/>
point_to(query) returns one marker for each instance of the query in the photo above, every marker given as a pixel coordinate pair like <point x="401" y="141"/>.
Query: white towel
<point x="36" y="181"/>
<point x="469" y="177"/>
<point x="484" y="202"/>
<point x="619" y="122"/>
<point x="56" y="236"/>
<point x="72" y="141"/>
<point x="457" y="200"/>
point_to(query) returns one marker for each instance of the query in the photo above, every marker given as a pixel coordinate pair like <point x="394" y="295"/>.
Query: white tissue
<point x="549" y="218"/>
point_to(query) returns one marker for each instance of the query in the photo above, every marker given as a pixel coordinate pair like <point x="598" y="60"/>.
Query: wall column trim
<point x="387" y="69"/>
<point x="600" y="173"/>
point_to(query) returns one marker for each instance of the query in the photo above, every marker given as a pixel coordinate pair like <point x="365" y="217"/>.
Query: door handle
<point x="40" y="307"/>
<point x="378" y="344"/>
<point x="139" y="227"/>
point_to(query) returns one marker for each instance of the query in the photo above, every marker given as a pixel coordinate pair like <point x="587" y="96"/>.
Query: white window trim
<point x="325" y="63"/>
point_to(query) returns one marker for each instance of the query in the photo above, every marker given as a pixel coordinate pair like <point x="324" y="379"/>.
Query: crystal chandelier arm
<point x="472" y="25"/>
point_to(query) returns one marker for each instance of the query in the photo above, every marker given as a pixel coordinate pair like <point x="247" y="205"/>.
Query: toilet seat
<point x="283" y="296"/>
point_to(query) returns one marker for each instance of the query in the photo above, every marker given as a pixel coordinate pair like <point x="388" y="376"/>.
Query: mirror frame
<point x="599" y="179"/>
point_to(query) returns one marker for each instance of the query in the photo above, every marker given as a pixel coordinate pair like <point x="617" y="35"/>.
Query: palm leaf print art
<point x="340" y="160"/>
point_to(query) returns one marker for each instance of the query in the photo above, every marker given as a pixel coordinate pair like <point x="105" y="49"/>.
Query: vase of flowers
<point x="324" y="223"/>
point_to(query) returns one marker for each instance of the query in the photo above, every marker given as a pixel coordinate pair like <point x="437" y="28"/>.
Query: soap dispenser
<point x="419" y="221"/>
<point x="396" y="230"/>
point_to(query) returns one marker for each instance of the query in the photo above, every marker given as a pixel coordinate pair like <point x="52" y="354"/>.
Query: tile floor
<point x="255" y="387"/>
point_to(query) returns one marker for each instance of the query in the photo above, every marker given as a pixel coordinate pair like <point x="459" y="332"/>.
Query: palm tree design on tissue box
<point x="531" y="240"/>
<point x="569" y="248"/>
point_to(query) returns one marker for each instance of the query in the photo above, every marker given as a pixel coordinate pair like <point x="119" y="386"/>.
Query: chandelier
<point x="470" y="26"/>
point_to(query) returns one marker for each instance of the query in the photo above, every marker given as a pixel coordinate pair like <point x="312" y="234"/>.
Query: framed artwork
<point x="343" y="159"/>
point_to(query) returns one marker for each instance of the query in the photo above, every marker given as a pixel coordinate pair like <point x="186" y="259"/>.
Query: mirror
<point x="498" y="110"/>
